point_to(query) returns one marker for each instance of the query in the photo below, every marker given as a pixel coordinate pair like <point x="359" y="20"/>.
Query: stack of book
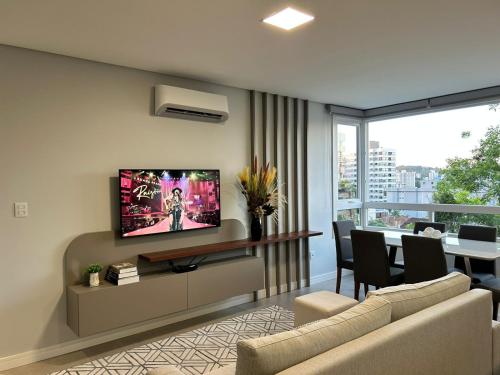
<point x="122" y="273"/>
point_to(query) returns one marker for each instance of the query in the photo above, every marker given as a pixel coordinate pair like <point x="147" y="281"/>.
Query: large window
<point x="442" y="166"/>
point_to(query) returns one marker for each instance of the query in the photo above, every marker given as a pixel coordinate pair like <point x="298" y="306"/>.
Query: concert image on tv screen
<point x="165" y="200"/>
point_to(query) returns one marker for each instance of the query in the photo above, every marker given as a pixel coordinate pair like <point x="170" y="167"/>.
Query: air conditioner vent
<point x="187" y="112"/>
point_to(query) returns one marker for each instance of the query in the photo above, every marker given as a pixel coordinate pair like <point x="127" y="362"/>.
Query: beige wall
<point x="66" y="126"/>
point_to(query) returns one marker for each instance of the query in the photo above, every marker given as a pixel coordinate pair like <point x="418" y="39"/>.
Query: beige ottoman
<point x="320" y="305"/>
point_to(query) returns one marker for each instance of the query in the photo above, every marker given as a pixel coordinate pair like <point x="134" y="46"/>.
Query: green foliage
<point x="466" y="134"/>
<point x="346" y="189"/>
<point x="396" y="213"/>
<point x="376" y="223"/>
<point x="94" y="268"/>
<point x="472" y="181"/>
<point x="409" y="226"/>
<point x="352" y="214"/>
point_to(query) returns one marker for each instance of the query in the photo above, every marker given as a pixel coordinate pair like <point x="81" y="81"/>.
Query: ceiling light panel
<point x="288" y="18"/>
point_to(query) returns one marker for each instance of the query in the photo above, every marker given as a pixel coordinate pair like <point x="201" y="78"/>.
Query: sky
<point x="430" y="139"/>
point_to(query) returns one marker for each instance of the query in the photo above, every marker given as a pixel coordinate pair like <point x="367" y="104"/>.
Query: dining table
<point x="452" y="245"/>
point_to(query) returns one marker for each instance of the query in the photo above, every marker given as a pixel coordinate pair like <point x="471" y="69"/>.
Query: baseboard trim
<point x="41" y="354"/>
<point x="323" y="277"/>
<point x="273" y="290"/>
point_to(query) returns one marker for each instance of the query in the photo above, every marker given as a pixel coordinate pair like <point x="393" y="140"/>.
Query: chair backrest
<point x="478" y="233"/>
<point x="421" y="225"/>
<point x="343" y="246"/>
<point x="424" y="259"/>
<point x="371" y="261"/>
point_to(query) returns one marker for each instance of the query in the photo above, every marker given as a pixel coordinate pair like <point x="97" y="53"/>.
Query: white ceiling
<point x="359" y="53"/>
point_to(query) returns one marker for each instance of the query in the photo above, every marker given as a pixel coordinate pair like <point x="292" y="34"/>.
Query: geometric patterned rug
<point x="194" y="352"/>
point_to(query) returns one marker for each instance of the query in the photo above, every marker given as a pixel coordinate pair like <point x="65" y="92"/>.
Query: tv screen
<point x="168" y="200"/>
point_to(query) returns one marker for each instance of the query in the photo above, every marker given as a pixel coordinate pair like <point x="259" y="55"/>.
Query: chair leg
<point x="357" y="286"/>
<point x="339" y="279"/>
<point x="495" y="310"/>
<point x="366" y="289"/>
<point x="392" y="255"/>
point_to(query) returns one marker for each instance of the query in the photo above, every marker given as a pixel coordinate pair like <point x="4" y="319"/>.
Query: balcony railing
<point x="403" y="215"/>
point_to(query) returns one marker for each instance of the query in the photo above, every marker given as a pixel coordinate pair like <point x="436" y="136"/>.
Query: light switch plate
<point x="20" y="209"/>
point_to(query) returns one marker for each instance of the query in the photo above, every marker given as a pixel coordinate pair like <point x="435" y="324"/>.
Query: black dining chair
<point x="492" y="285"/>
<point x="371" y="262"/>
<point x="482" y="270"/>
<point x="343" y="248"/>
<point x="421" y="225"/>
<point x="424" y="258"/>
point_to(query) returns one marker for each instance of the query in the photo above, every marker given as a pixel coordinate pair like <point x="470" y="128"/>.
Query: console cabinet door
<point x="109" y="306"/>
<point x="219" y="281"/>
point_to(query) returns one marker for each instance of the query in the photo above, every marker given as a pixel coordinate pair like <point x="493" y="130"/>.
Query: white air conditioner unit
<point x="187" y="104"/>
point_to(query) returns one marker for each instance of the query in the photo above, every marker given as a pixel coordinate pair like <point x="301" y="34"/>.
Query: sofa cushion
<point x="271" y="354"/>
<point x="408" y="299"/>
<point x="496" y="347"/>
<point x="320" y="305"/>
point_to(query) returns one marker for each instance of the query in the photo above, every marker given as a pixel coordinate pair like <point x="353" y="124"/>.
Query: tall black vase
<point x="256" y="229"/>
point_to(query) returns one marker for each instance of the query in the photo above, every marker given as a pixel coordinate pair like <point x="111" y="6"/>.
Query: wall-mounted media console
<point x="228" y="272"/>
<point x="94" y="310"/>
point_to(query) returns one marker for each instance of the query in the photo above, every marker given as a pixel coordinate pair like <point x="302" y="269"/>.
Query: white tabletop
<point x="452" y="245"/>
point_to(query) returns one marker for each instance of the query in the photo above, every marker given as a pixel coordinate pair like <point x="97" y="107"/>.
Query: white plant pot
<point x="94" y="279"/>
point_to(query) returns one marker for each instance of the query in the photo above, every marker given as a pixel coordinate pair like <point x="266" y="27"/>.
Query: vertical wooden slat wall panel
<point x="253" y="135"/>
<point x="299" y="263"/>
<point x="286" y="213"/>
<point x="257" y="145"/>
<point x="305" y="203"/>
<point x="277" y="164"/>
<point x="296" y="203"/>
<point x="292" y="191"/>
<point x="252" y="148"/>
<point x="279" y="135"/>
<point x="263" y="160"/>
<point x="270" y="146"/>
<point x="300" y="193"/>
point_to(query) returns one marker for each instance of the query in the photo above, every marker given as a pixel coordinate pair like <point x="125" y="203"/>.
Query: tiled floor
<point x="85" y="355"/>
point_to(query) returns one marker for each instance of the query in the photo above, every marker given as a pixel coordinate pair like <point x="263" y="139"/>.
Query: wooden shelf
<point x="218" y="247"/>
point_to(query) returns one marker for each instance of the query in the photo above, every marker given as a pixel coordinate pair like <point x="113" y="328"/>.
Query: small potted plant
<point x="93" y="271"/>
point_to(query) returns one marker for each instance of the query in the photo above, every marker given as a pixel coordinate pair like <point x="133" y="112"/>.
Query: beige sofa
<point x="437" y="327"/>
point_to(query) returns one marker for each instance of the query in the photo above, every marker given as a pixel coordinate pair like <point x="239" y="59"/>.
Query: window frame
<point x="350" y="203"/>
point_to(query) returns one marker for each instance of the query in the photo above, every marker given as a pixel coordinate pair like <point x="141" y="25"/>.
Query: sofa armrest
<point x="167" y="370"/>
<point x="496" y="347"/>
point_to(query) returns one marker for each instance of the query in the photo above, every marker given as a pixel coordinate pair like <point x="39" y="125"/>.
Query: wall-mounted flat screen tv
<point x="156" y="201"/>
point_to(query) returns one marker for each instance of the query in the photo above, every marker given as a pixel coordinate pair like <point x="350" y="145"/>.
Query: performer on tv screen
<point x="176" y="206"/>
